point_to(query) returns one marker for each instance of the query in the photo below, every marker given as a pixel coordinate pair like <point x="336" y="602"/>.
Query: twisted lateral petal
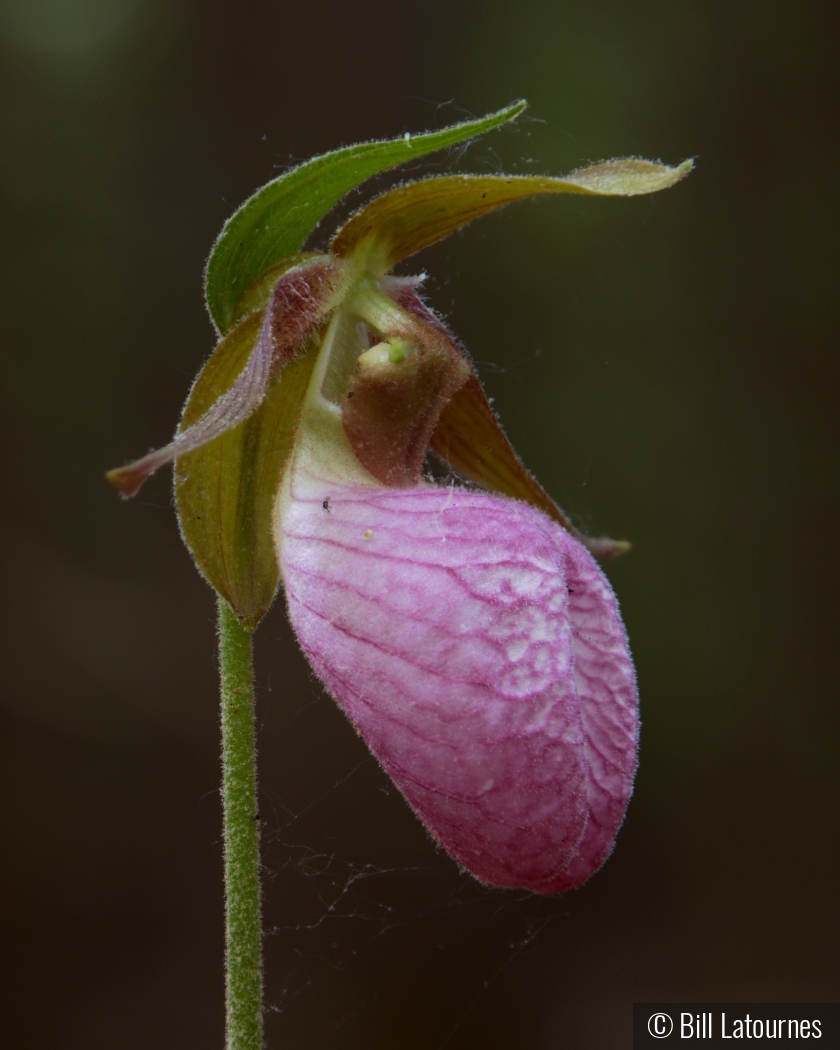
<point x="478" y="649"/>
<point x="301" y="298"/>
<point x="469" y="437"/>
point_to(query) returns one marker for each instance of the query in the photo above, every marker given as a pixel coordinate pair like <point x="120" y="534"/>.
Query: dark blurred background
<point x="667" y="366"/>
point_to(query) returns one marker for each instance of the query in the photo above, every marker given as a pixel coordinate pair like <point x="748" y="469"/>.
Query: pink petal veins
<point x="478" y="649"/>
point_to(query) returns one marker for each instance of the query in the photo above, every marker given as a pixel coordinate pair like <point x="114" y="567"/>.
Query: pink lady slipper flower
<point x="468" y="633"/>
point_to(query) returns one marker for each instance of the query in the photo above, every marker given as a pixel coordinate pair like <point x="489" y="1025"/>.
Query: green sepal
<point x="278" y="218"/>
<point x="411" y="217"/>
<point x="225" y="491"/>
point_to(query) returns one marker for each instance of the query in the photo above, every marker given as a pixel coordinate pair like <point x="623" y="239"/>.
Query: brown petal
<point x="300" y="299"/>
<point x="392" y="408"/>
<point x="469" y="437"/>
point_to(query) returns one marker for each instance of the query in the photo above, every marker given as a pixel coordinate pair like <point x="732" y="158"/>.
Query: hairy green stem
<point x="243" y="928"/>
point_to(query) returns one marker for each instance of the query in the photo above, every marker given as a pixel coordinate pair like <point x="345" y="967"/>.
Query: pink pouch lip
<point x="478" y="649"/>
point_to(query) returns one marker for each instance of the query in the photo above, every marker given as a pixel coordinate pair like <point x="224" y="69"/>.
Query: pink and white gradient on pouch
<point x="478" y="649"/>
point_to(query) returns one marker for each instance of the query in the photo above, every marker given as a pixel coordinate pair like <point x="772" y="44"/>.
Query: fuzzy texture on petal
<point x="478" y="649"/>
<point x="301" y="298"/>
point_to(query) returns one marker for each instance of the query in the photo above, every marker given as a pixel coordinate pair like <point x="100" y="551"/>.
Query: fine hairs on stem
<point x="514" y="738"/>
<point x="243" y="924"/>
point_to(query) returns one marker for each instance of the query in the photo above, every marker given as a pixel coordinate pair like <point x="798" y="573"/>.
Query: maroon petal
<point x="298" y="303"/>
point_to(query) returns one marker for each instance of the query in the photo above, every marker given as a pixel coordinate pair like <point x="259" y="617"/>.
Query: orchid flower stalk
<point x="466" y="630"/>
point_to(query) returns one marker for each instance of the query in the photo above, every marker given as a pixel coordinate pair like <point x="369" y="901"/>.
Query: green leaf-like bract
<point x="226" y="489"/>
<point x="278" y="218"/>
